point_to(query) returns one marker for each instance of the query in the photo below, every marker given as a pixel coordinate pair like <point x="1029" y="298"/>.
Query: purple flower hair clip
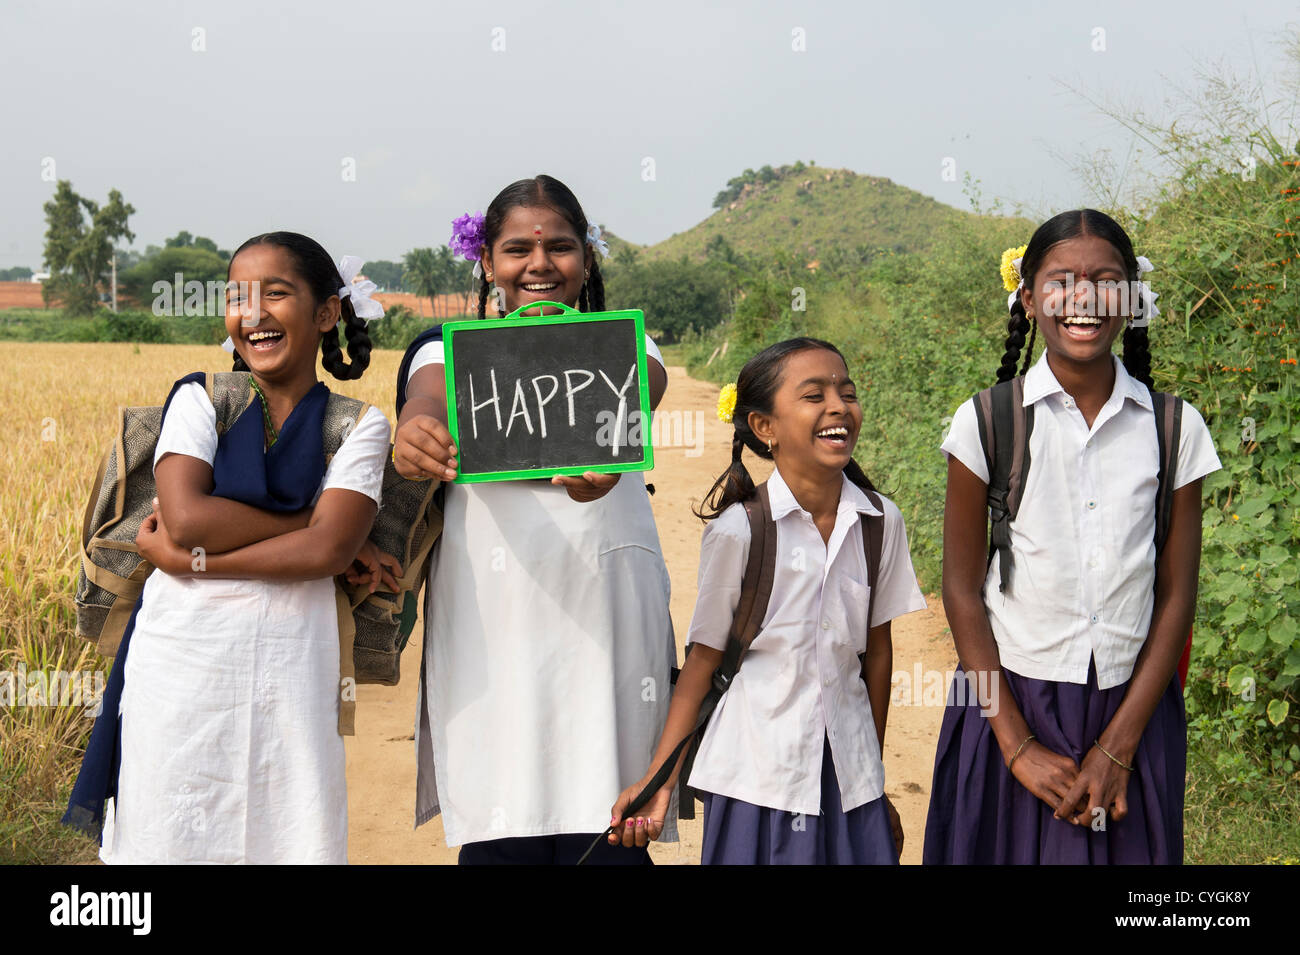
<point x="467" y="240"/>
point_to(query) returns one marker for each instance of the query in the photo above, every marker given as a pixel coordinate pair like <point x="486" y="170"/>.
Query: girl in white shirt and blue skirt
<point x="789" y="765"/>
<point x="1074" y="749"/>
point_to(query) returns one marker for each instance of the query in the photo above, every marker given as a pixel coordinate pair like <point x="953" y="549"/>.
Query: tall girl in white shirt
<point x="1082" y="753"/>
<point x="790" y="760"/>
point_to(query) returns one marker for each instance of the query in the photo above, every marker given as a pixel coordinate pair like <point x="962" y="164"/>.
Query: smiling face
<point x="537" y="258"/>
<point x="287" y="323"/>
<point x="815" y="416"/>
<point x="1077" y="298"/>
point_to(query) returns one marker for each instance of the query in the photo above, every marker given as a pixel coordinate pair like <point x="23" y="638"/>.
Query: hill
<point x="810" y="210"/>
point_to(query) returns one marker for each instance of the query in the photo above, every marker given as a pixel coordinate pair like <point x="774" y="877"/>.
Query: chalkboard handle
<point x="560" y="305"/>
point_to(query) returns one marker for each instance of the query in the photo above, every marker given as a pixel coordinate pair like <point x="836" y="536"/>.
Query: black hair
<point x="542" y="190"/>
<point x="1070" y="225"/>
<point x="314" y="264"/>
<point x="756" y="387"/>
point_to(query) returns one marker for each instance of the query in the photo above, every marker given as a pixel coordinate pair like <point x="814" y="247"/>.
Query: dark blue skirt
<point x="980" y="814"/>
<point x="740" y="833"/>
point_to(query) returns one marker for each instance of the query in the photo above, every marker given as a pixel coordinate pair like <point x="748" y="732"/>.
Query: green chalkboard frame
<point x="568" y="316"/>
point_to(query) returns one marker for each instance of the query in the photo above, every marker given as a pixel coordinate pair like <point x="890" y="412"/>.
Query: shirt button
<point x="1088" y="443"/>
<point x="1069" y="402"/>
<point x="826" y="624"/>
<point x="1091" y="505"/>
<point x="1093" y="618"/>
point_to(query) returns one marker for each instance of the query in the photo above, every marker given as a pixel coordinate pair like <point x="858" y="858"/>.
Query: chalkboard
<point x="556" y="394"/>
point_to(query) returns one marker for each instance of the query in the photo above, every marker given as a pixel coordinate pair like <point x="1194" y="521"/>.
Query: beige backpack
<point x="376" y="627"/>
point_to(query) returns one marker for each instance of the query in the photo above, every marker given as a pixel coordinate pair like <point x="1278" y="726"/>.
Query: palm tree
<point x="422" y="275"/>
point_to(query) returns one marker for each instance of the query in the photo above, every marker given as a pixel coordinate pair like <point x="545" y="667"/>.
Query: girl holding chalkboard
<point x="548" y="642"/>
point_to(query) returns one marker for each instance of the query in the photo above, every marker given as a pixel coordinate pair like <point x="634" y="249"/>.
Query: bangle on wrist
<point x="1097" y="743"/>
<point x="1019" y="750"/>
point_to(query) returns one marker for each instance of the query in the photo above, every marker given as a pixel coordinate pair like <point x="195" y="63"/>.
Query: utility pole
<point x="114" y="281"/>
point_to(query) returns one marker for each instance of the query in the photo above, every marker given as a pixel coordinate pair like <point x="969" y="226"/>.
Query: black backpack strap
<point x="404" y="370"/>
<point x="1169" y="427"/>
<point x="755" y="590"/>
<point x="1005" y="424"/>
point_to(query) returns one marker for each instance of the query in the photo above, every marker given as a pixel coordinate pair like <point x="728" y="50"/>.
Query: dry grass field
<point x="61" y="401"/>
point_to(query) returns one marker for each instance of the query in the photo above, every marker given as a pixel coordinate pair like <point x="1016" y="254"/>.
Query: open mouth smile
<point x="837" y="437"/>
<point x="264" y="339"/>
<point x="1081" y="328"/>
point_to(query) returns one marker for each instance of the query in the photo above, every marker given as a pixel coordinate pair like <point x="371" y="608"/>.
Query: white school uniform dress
<point x="230" y="744"/>
<point x="547" y="656"/>
<point x="1083" y="542"/>
<point x="800" y="682"/>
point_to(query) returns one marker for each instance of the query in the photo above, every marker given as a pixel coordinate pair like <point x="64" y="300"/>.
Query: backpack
<point x="755" y="590"/>
<point x="113" y="574"/>
<point x="1005" y="425"/>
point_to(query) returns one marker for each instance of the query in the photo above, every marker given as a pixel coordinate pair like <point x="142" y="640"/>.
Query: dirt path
<point x="693" y="449"/>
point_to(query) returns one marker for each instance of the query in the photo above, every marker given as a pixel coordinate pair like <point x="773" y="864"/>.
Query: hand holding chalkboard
<point x="549" y="395"/>
<point x="588" y="487"/>
<point x="423" y="449"/>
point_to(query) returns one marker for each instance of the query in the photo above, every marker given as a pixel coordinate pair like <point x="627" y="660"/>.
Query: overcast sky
<point x="252" y="132"/>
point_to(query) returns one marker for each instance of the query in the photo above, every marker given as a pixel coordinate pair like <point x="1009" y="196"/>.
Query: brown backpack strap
<point x="755" y="586"/>
<point x="1169" y="425"/>
<point x="755" y="590"/>
<point x="873" y="542"/>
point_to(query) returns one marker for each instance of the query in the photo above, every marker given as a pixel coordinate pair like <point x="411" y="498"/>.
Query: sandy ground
<point x="693" y="448"/>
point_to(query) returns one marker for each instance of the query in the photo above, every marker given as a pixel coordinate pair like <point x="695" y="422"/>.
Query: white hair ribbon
<point x="595" y="241"/>
<point x="1149" y="309"/>
<point x="364" y="306"/>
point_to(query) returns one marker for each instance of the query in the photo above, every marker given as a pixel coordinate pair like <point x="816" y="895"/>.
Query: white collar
<point x="852" y="498"/>
<point x="1040" y="382"/>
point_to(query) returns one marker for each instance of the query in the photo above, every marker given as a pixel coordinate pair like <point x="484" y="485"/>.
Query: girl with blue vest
<point x="230" y="698"/>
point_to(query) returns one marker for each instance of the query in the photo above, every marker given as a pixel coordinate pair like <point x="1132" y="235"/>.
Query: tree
<point x="191" y="263"/>
<point x="387" y="275"/>
<point x="421" y="275"/>
<point x="676" y="295"/>
<point x="77" y="254"/>
<point x="433" y="273"/>
<point x="183" y="240"/>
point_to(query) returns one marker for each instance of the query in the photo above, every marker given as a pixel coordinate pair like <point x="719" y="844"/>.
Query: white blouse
<point x="800" y="681"/>
<point x="1083" y="542"/>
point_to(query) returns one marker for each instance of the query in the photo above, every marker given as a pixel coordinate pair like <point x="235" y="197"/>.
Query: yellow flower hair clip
<point x="727" y="402"/>
<point x="1011" y="267"/>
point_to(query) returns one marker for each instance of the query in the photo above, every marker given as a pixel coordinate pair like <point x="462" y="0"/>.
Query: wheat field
<point x="62" y="401"/>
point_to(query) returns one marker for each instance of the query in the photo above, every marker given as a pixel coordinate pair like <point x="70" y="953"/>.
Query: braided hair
<point x="1070" y="225"/>
<point x="756" y="388"/>
<point x="322" y="276"/>
<point x="542" y="190"/>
